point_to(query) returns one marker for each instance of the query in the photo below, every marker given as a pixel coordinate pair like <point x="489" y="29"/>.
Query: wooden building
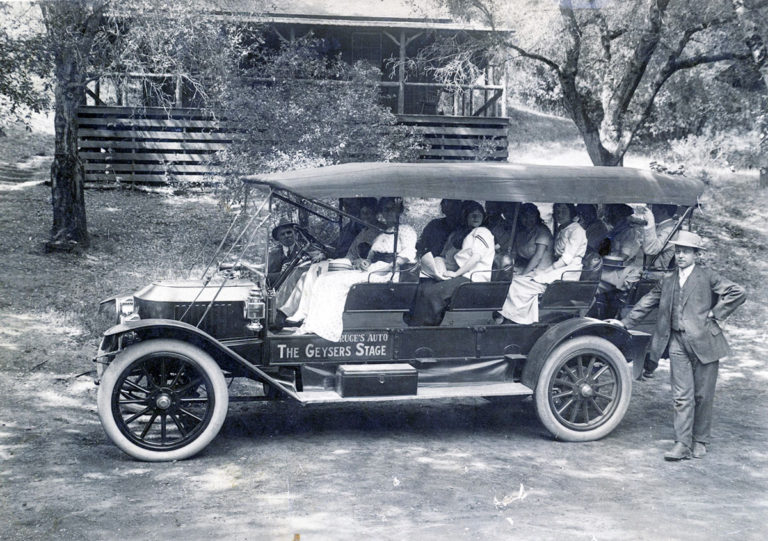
<point x="122" y="137"/>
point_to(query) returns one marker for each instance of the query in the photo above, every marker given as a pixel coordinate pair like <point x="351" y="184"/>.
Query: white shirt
<point x="406" y="242"/>
<point x="478" y="241"/>
<point x="683" y="274"/>
<point x="571" y="244"/>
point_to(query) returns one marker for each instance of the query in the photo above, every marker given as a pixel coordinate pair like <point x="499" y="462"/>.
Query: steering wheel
<point x="311" y="241"/>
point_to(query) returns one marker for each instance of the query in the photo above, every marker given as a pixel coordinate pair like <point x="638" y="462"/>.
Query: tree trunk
<point x="597" y="151"/>
<point x="590" y="132"/>
<point x="67" y="173"/>
<point x="71" y="27"/>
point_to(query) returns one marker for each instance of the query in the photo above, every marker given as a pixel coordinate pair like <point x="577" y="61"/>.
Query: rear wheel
<point x="583" y="389"/>
<point x="162" y="400"/>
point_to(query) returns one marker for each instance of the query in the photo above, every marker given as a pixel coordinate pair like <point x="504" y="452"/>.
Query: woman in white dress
<point x="472" y="262"/>
<point x="521" y="304"/>
<point x="325" y="300"/>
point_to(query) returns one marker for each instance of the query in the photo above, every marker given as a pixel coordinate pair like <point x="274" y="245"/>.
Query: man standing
<point x="691" y="301"/>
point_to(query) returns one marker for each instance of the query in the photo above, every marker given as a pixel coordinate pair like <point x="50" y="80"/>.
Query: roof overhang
<point x="487" y="181"/>
<point x="336" y="13"/>
<point x="369" y="22"/>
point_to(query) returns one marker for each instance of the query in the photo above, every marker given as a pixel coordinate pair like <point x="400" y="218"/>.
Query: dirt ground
<point x="453" y="469"/>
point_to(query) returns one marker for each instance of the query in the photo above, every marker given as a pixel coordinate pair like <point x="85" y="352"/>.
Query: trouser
<point x="693" y="391"/>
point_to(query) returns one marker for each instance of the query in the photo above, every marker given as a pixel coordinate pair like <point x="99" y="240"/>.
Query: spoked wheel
<point x="162" y="400"/>
<point x="584" y="389"/>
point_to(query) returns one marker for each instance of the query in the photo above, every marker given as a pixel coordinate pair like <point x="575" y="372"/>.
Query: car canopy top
<point x="487" y="181"/>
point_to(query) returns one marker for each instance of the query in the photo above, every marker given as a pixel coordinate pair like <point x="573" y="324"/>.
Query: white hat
<point x="688" y="238"/>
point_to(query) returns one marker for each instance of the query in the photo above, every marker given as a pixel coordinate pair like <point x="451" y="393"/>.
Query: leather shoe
<point x="679" y="452"/>
<point x="648" y="374"/>
<point x="699" y="449"/>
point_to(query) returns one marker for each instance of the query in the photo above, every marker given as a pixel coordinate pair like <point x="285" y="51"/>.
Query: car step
<point x="424" y="393"/>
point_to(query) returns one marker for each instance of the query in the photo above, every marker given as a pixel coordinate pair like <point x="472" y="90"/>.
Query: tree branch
<point x="534" y="56"/>
<point x="697" y="60"/>
<point x="672" y="67"/>
<point x="647" y="44"/>
<point x="573" y="50"/>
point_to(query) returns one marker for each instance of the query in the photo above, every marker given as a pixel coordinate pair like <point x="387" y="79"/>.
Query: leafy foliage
<point x="712" y="104"/>
<point x="296" y="108"/>
<point x="611" y="59"/>
<point x="24" y="65"/>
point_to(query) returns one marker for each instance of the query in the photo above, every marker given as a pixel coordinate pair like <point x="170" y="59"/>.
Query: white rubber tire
<point x="583" y="345"/>
<point x="195" y="356"/>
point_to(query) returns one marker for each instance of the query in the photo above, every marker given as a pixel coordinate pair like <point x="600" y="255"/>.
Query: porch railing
<point x="157" y="145"/>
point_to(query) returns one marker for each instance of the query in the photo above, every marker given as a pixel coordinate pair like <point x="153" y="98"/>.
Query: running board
<point x="423" y="393"/>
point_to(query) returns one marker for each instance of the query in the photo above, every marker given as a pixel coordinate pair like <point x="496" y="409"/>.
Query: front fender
<point x="169" y="328"/>
<point x="570" y="328"/>
<point x="139" y="324"/>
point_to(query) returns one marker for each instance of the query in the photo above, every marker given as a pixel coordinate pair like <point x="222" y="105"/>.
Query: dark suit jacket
<point x="704" y="290"/>
<point x="276" y="261"/>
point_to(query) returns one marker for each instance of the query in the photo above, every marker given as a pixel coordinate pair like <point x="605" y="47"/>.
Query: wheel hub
<point x="586" y="390"/>
<point x="163" y="401"/>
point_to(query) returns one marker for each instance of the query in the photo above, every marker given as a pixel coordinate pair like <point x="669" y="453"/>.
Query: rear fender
<point x="227" y="359"/>
<point x="565" y="330"/>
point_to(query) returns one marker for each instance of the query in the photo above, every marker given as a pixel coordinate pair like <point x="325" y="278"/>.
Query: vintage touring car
<point x="167" y="369"/>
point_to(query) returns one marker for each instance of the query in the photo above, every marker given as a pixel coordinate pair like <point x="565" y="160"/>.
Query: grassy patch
<point x="21" y="145"/>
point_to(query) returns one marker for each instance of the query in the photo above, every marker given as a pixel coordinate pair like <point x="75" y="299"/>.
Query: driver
<point x="280" y="255"/>
<point x="289" y="297"/>
<point x="321" y="305"/>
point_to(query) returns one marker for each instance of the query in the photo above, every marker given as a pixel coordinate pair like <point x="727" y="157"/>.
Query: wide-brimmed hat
<point x="688" y="238"/>
<point x="283" y="224"/>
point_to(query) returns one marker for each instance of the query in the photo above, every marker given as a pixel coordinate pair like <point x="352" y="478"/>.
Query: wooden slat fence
<point x="455" y="138"/>
<point x="155" y="145"/>
<point x="149" y="145"/>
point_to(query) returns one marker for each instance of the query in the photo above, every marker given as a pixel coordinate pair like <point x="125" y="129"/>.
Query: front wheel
<point x="162" y="400"/>
<point x="583" y="390"/>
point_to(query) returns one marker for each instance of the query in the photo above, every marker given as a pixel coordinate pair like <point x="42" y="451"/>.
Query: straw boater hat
<point x="613" y="260"/>
<point x="688" y="238"/>
<point x="282" y="225"/>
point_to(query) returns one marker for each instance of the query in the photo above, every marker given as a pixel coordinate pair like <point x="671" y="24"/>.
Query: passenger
<point x="473" y="262"/>
<point x="363" y="208"/>
<point x="437" y="231"/>
<point x="626" y="242"/>
<point x="660" y="225"/>
<point x="501" y="223"/>
<point x="521" y="304"/>
<point x="322" y="306"/>
<point x="533" y="242"/>
<point x="597" y="231"/>
<point x="359" y="247"/>
<point x="281" y="255"/>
